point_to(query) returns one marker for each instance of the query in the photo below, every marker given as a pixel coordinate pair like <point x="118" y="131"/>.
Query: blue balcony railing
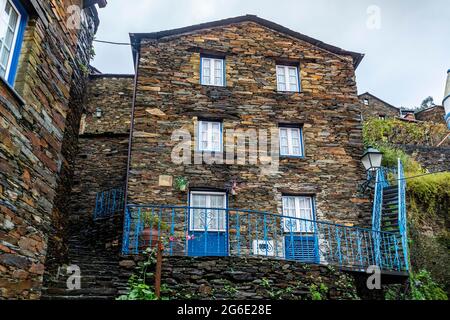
<point x="189" y="231"/>
<point x="109" y="203"/>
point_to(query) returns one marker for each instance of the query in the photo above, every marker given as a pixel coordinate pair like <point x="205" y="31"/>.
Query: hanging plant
<point x="181" y="183"/>
<point x="233" y="188"/>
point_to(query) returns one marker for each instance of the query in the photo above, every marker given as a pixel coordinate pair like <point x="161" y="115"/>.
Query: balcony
<point x="195" y="231"/>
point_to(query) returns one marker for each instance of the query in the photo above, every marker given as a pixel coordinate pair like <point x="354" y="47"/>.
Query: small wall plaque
<point x="165" y="181"/>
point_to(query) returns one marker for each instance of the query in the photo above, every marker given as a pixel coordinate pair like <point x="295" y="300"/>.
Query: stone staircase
<point x="101" y="278"/>
<point x="389" y="216"/>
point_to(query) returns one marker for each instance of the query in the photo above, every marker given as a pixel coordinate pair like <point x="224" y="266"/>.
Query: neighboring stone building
<point x="434" y="114"/>
<point x="41" y="101"/>
<point x="374" y="107"/>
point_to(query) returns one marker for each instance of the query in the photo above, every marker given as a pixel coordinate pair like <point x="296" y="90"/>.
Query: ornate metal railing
<point x="189" y="231"/>
<point x="109" y="203"/>
<point x="377" y="210"/>
<point x="402" y="211"/>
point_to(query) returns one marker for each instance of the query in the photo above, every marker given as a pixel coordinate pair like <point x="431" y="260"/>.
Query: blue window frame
<point x="208" y="226"/>
<point x="291" y="142"/>
<point x="13" y="21"/>
<point x="300" y="238"/>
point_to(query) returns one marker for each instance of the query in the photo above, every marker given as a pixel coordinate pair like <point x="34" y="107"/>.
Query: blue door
<point x="300" y="241"/>
<point x="302" y="248"/>
<point x="208" y="224"/>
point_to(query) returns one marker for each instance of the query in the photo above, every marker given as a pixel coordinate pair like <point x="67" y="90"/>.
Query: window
<point x="210" y="136"/>
<point x="382" y="117"/>
<point x="299" y="207"/>
<point x="212" y="72"/>
<point x="205" y="219"/>
<point x="291" y="142"/>
<point x="12" y="25"/>
<point x="366" y="102"/>
<point x="287" y="79"/>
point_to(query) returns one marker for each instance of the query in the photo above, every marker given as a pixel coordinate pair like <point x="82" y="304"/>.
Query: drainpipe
<point x="446" y="101"/>
<point x="137" y="50"/>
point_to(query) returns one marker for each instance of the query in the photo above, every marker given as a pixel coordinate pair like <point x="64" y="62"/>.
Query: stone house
<point x="44" y="65"/>
<point x="233" y="138"/>
<point x="374" y="107"/>
<point x="434" y="114"/>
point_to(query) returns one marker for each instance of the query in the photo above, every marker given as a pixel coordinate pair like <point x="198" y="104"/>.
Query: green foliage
<point x="138" y="287"/>
<point x="138" y="290"/>
<point x="424" y="288"/>
<point x="318" y="292"/>
<point x="152" y="220"/>
<point x="181" y="183"/>
<point x="394" y="131"/>
<point x="429" y="195"/>
<point x="230" y="290"/>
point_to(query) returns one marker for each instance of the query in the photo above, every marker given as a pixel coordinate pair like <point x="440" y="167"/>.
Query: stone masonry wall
<point x="38" y="144"/>
<point x="113" y="94"/>
<point x="170" y="97"/>
<point x="435" y="114"/>
<point x="432" y="158"/>
<point x="206" y="278"/>
<point x="376" y="108"/>
<point x="101" y="160"/>
<point x="100" y="165"/>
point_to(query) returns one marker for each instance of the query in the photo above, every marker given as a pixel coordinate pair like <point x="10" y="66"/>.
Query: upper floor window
<point x="210" y="136"/>
<point x="291" y="142"/>
<point x="12" y="25"/>
<point x="366" y="102"/>
<point x="212" y="71"/>
<point x="287" y="79"/>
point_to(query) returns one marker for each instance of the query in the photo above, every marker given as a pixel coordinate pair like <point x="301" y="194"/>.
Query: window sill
<point x="291" y="157"/>
<point x="12" y="92"/>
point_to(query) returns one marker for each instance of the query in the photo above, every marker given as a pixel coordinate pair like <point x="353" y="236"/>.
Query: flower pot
<point x="182" y="188"/>
<point x="149" y="238"/>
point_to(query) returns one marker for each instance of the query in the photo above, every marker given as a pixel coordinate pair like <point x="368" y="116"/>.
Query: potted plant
<point x="153" y="229"/>
<point x="233" y="188"/>
<point x="181" y="183"/>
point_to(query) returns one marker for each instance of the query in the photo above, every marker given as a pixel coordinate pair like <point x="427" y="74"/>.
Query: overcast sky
<point x="407" y="49"/>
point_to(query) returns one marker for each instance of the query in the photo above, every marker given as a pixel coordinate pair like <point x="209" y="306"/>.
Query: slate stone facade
<point x="433" y="114"/>
<point x="170" y="97"/>
<point x="374" y="107"/>
<point x="101" y="160"/>
<point x="39" y="134"/>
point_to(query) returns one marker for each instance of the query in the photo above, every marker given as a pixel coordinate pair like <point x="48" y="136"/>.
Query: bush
<point x="424" y="288"/>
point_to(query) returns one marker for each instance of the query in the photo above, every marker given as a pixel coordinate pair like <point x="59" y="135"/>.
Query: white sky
<point x="406" y="60"/>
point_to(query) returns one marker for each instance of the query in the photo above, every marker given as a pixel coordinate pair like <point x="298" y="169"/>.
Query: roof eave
<point x="137" y="37"/>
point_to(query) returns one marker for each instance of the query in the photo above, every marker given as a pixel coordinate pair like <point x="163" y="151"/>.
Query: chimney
<point x="446" y="102"/>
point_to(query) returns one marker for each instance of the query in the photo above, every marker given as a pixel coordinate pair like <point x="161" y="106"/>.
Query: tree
<point x="426" y="103"/>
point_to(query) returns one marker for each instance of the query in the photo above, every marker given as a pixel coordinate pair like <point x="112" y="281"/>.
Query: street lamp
<point x="98" y="113"/>
<point x="371" y="159"/>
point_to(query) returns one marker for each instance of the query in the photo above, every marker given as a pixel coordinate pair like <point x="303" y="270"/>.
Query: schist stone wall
<point x="376" y="107"/>
<point x="434" y="114"/>
<point x="37" y="145"/>
<point x="170" y="97"/>
<point x="101" y="160"/>
<point x="431" y="158"/>
<point x="258" y="278"/>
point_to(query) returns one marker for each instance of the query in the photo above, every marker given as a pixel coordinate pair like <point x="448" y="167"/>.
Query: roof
<point x="375" y="97"/>
<point x="429" y="109"/>
<point x="137" y="37"/>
